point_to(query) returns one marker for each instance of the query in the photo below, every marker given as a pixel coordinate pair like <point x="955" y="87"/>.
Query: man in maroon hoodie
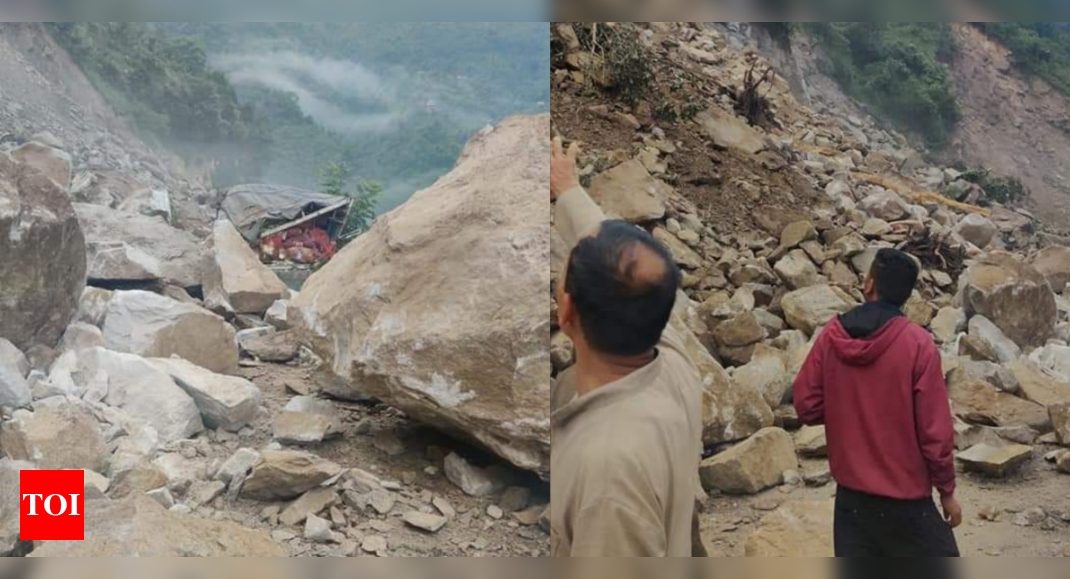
<point x="874" y="380"/>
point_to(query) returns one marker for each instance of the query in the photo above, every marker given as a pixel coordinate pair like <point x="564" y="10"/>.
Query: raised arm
<point x="576" y="216"/>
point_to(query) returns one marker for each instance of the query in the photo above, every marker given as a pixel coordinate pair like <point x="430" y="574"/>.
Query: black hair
<point x="621" y="313"/>
<point x="895" y="274"/>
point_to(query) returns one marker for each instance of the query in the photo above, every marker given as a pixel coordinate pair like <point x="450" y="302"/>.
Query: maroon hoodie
<point x="882" y="398"/>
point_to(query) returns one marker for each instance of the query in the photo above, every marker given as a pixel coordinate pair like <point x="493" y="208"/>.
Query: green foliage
<point x="1039" y="48"/>
<point x="628" y="66"/>
<point x="165" y="85"/>
<point x="1003" y="190"/>
<point x="335" y="177"/>
<point x="897" y="68"/>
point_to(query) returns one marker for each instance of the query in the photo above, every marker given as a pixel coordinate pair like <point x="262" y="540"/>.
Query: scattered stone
<point x="995" y="461"/>
<point x="990" y="343"/>
<point x="515" y="499"/>
<point x="444" y="507"/>
<point x="374" y="545"/>
<point x="948" y="323"/>
<point x="424" y="521"/>
<point x="139" y="526"/>
<point x="474" y="481"/>
<point x="495" y="512"/>
<point x="307" y="420"/>
<point x="236" y="276"/>
<point x="797" y="270"/>
<point x="1054" y="264"/>
<point x="313" y="502"/>
<point x="388" y="443"/>
<point x="226" y="402"/>
<point x="15" y="391"/>
<point x="751" y="466"/>
<point x="810" y="442"/>
<point x="1039" y="387"/>
<point x="885" y="205"/>
<point x="234" y="469"/>
<point x="728" y="131"/>
<point x="766" y="373"/>
<point x="154" y="326"/>
<point x="286" y="474"/>
<point x="977" y="230"/>
<point x="276" y="347"/>
<point x="1059" y="414"/>
<point x="319" y="530"/>
<point x="629" y="192"/>
<point x="10" y="543"/>
<point x="163" y="496"/>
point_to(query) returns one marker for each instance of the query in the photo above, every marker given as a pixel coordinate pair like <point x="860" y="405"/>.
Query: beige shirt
<point x="624" y="456"/>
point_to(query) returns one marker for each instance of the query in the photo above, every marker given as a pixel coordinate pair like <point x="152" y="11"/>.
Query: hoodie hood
<point x="867" y="347"/>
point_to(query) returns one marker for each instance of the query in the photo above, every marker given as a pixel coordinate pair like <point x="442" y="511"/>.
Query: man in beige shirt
<point x="626" y="418"/>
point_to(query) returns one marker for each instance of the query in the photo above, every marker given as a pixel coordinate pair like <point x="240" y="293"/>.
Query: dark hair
<point x="621" y="313"/>
<point x="895" y="274"/>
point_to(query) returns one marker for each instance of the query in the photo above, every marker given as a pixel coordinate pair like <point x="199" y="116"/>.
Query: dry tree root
<point x="935" y="252"/>
<point x="753" y="105"/>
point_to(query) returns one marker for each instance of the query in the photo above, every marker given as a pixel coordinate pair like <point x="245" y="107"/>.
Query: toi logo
<point x="51" y="505"/>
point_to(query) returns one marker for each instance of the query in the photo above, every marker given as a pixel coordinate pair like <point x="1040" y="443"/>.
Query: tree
<point x="334" y="178"/>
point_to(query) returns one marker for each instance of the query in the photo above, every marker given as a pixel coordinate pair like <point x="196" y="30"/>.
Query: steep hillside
<point x="44" y="91"/>
<point x="774" y="191"/>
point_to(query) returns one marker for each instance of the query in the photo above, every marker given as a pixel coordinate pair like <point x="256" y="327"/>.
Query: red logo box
<point x="51" y="505"/>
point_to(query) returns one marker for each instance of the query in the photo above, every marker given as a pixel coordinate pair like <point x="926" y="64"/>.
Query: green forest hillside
<point x="392" y="102"/>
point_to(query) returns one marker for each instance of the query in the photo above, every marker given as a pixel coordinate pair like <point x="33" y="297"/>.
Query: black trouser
<point x="871" y="526"/>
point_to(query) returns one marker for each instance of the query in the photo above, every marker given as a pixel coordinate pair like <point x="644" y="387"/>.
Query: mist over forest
<point x="277" y="102"/>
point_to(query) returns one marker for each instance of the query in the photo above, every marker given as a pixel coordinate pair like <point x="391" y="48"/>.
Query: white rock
<point x="226" y="402"/>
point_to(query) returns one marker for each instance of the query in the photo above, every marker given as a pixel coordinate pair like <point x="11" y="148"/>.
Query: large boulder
<point x="139" y="527"/>
<point x="226" y="402"/>
<point x="42" y="257"/>
<point x="1054" y="264"/>
<point x="987" y="342"/>
<point x="810" y="308"/>
<point x="751" y="466"/>
<point x="1039" y="386"/>
<point x="130" y="247"/>
<point x="155" y="326"/>
<point x="797" y="529"/>
<point x="50" y="161"/>
<point x="978" y="402"/>
<point x="56" y="437"/>
<point x="627" y="191"/>
<point x="440" y="309"/>
<point x="1014" y="295"/>
<point x="136" y="386"/>
<point x="236" y="275"/>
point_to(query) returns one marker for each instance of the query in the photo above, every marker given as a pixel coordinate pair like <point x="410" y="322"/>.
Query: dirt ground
<point x="728" y="521"/>
<point x="472" y="533"/>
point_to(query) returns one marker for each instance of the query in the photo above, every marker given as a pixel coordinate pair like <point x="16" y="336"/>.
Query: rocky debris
<point x="1014" y="295"/>
<point x="751" y="466"/>
<point x="424" y="521"/>
<point x="473" y="480"/>
<point x="287" y="474"/>
<point x="628" y="192"/>
<point x="986" y="342"/>
<point x="134" y="385"/>
<point x="93" y="306"/>
<point x="397" y="336"/>
<point x="730" y="132"/>
<point x="319" y="530"/>
<point x="948" y="323"/>
<point x="306" y="420"/>
<point x="1054" y="264"/>
<point x="124" y="247"/>
<point x="155" y="326"/>
<point x="995" y="461"/>
<point x="797" y="270"/>
<point x="767" y="373"/>
<point x="60" y="436"/>
<point x="235" y="275"/>
<point x="810" y="442"/>
<point x="885" y="205"/>
<point x="79" y="336"/>
<point x="737" y="336"/>
<point x="313" y="502"/>
<point x="797" y="529"/>
<point x="981" y="403"/>
<point x="277" y="347"/>
<point x="14" y="389"/>
<point x="234" y="470"/>
<point x="812" y="307"/>
<point x="1053" y="358"/>
<point x="226" y="402"/>
<point x="977" y="230"/>
<point x="278" y="315"/>
<point x="1037" y="386"/>
<point x="43" y="265"/>
<point x="1060" y="419"/>
<point x="48" y="160"/>
<point x="149" y="202"/>
<point x="13" y="358"/>
<point x="10" y="543"/>
<point x="139" y="527"/>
